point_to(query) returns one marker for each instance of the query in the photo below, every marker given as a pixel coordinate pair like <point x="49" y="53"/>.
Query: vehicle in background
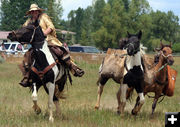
<point x="13" y="48"/>
<point x="84" y="49"/>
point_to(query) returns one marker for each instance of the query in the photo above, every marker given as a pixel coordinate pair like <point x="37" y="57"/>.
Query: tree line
<point x="103" y="23"/>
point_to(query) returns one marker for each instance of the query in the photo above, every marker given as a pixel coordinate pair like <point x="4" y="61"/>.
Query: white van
<point x="13" y="48"/>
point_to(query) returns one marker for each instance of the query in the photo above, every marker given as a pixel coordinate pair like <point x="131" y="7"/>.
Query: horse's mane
<point x="142" y="49"/>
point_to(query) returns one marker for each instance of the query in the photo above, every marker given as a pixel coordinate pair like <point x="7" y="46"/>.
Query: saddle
<point x="56" y="51"/>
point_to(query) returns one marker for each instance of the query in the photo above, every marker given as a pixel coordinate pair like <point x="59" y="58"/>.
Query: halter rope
<point x="164" y="64"/>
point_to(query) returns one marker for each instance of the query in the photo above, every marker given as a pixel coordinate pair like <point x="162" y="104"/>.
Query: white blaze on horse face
<point x="34" y="94"/>
<point x="49" y="57"/>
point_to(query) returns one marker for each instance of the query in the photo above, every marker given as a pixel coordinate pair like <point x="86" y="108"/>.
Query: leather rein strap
<point x="42" y="73"/>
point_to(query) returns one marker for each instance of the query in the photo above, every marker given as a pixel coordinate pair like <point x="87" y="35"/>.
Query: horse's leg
<point x="101" y="82"/>
<point x="154" y="105"/>
<point x="122" y="92"/>
<point x="57" y="107"/>
<point x="139" y="103"/>
<point x="157" y="95"/>
<point x="51" y="88"/>
<point x="34" y="98"/>
<point x="56" y="99"/>
<point x="118" y="100"/>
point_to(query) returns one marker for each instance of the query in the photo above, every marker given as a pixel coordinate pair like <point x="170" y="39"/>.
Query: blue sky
<point x="162" y="5"/>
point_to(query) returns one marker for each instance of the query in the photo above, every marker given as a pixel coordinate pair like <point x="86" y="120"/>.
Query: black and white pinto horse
<point x="133" y="71"/>
<point x="125" y="69"/>
<point x="44" y="70"/>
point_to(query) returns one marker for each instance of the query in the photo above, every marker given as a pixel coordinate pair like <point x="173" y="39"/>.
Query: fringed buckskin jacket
<point x="46" y="22"/>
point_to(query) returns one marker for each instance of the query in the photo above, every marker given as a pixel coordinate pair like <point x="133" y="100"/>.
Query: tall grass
<point x="78" y="109"/>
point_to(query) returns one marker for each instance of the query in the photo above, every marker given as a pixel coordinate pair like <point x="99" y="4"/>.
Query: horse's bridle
<point x="161" y="52"/>
<point x="134" y="51"/>
<point x="32" y="37"/>
<point x="165" y="55"/>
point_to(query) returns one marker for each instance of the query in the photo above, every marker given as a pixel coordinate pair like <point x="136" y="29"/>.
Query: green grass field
<point x="78" y="109"/>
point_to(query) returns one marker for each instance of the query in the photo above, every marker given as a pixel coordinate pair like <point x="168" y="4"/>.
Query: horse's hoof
<point x="133" y="113"/>
<point x="151" y="116"/>
<point x="96" y="107"/>
<point x="118" y="112"/>
<point x="37" y="110"/>
<point x="51" y="119"/>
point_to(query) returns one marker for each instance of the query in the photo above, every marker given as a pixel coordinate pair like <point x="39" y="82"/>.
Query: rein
<point x="164" y="64"/>
<point x="162" y="95"/>
<point x="41" y="73"/>
<point x="33" y="34"/>
<point x="121" y="56"/>
<point x="161" y="67"/>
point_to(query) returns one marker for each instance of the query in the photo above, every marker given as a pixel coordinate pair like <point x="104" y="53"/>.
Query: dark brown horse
<point x="155" y="77"/>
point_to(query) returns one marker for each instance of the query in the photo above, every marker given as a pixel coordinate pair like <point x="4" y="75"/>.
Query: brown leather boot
<point x="25" y="82"/>
<point x="75" y="70"/>
<point x="24" y="67"/>
<point x="63" y="55"/>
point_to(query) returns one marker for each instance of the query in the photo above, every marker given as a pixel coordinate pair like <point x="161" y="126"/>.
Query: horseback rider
<point x="55" y="45"/>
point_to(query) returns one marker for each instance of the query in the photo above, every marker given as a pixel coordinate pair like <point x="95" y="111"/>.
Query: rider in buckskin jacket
<point x="55" y="45"/>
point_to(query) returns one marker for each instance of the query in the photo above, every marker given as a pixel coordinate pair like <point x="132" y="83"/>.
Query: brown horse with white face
<point x="156" y="78"/>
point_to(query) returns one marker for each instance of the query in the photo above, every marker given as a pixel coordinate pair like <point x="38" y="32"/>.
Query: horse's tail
<point x="59" y="89"/>
<point x="129" y="93"/>
<point x="101" y="66"/>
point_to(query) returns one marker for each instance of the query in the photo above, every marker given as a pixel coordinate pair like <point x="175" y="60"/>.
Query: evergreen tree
<point x="86" y="27"/>
<point x="165" y="25"/>
<point x="97" y="14"/>
<point x="54" y="10"/>
<point x="13" y="12"/>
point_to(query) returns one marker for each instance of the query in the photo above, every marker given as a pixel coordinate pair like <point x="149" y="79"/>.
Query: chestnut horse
<point x="156" y="78"/>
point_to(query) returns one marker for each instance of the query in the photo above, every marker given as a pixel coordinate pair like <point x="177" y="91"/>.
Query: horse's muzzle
<point x="130" y="51"/>
<point x="170" y="62"/>
<point x="12" y="37"/>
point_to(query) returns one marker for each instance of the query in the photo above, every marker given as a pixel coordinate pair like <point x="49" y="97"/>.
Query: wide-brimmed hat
<point x="34" y="7"/>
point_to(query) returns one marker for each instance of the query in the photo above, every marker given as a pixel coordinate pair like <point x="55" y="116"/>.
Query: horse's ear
<point x="157" y="49"/>
<point x="140" y="34"/>
<point x="128" y="34"/>
<point x="161" y="44"/>
<point x="122" y="42"/>
<point x="170" y="45"/>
